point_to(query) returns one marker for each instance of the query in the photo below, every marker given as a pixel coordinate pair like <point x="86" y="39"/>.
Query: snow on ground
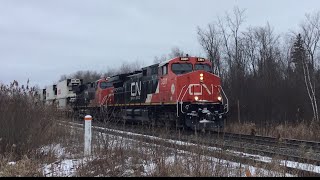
<point x="57" y="149"/>
<point x="302" y="166"/>
<point x="63" y="167"/>
<point x="68" y="167"/>
<point x="297" y="165"/>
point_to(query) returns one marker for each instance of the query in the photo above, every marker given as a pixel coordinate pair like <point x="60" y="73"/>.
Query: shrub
<point x="24" y="122"/>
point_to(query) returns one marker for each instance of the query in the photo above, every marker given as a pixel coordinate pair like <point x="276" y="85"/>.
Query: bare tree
<point x="130" y="67"/>
<point x="266" y="43"/>
<point x="250" y="50"/>
<point x="175" y="52"/>
<point x="87" y="76"/>
<point x="159" y="59"/>
<point x="234" y="24"/>
<point x="210" y="41"/>
<point x="110" y="72"/>
<point x="63" y="77"/>
<point x="229" y="28"/>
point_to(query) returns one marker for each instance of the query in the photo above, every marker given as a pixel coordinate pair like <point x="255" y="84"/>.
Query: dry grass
<point x="117" y="157"/>
<point x="244" y="128"/>
<point x="24" y="167"/>
<point x="302" y="130"/>
<point x="24" y="123"/>
<point x="25" y="126"/>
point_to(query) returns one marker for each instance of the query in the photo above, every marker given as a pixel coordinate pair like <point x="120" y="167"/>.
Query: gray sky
<point x="42" y="39"/>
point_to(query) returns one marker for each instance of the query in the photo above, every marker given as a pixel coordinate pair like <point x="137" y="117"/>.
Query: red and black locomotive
<point x="181" y="92"/>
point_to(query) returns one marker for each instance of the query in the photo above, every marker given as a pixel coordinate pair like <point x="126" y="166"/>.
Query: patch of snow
<point x="57" y="149"/>
<point x="149" y="168"/>
<point x="64" y="168"/>
<point x="12" y="163"/>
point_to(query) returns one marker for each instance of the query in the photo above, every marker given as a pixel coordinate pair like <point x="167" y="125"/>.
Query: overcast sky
<point x="44" y="39"/>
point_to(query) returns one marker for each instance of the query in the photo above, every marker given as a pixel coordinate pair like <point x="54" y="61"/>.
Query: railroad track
<point x="226" y="144"/>
<point x="287" y="149"/>
<point x="292" y="143"/>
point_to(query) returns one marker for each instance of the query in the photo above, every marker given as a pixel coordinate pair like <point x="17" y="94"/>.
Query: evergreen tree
<point x="298" y="55"/>
<point x="297" y="78"/>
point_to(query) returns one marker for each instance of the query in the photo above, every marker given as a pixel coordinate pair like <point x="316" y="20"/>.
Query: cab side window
<point x="165" y="69"/>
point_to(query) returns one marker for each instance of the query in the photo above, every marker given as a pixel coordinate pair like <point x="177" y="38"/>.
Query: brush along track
<point x="288" y="149"/>
<point x="280" y="142"/>
<point x="212" y="146"/>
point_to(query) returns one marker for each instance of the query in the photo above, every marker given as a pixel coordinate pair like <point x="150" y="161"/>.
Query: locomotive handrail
<point x="227" y="104"/>
<point x="178" y="100"/>
<point x="103" y="100"/>
<point x="184" y="96"/>
<point x="106" y="97"/>
<point x="181" y="92"/>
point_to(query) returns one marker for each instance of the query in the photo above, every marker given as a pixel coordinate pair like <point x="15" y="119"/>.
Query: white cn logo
<point x="135" y="88"/>
<point x="201" y="87"/>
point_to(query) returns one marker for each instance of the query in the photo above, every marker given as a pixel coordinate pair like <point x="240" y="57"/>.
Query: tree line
<point x="125" y="67"/>
<point x="269" y="78"/>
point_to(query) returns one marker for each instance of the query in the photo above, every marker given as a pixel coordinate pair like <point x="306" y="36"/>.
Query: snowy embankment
<point x="69" y="166"/>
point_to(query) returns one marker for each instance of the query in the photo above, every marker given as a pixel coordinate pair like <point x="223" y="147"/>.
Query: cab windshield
<point x="205" y="67"/>
<point x="181" y="68"/>
<point x="105" y="85"/>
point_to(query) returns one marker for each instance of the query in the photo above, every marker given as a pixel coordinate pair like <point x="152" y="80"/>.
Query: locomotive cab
<point x="188" y="79"/>
<point x="190" y="83"/>
<point x="104" y="92"/>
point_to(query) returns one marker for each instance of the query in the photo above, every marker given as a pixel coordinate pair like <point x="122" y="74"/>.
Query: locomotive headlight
<point x="201" y="77"/>
<point x="219" y="98"/>
<point x="201" y="59"/>
<point x="196" y="98"/>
